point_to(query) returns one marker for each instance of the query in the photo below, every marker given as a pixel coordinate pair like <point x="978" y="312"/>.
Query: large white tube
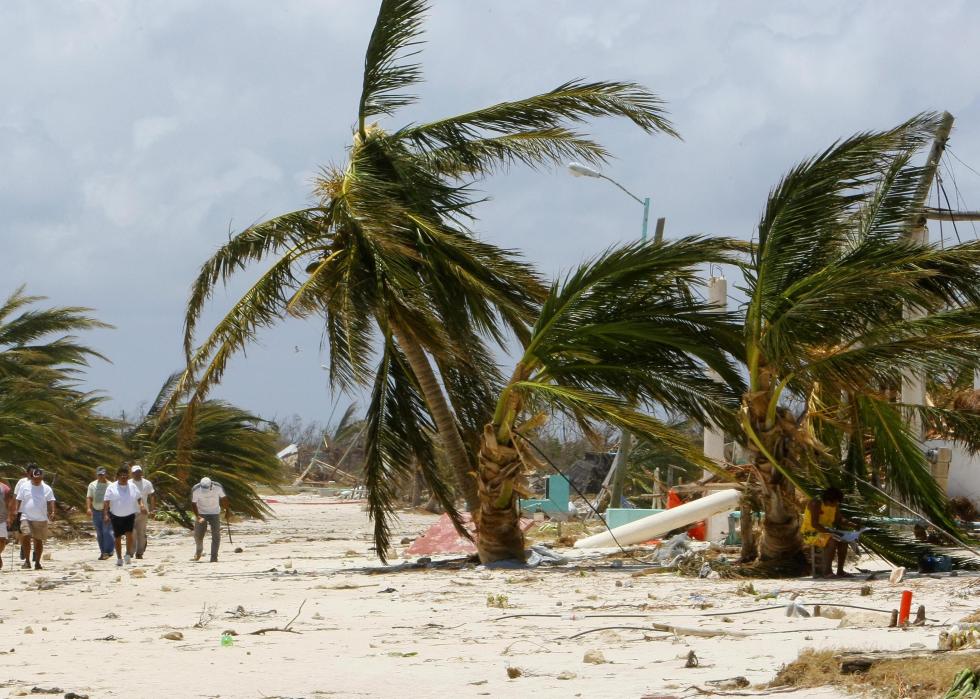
<point x="653" y="526"/>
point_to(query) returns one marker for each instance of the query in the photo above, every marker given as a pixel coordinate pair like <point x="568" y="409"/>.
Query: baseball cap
<point x="205" y="482"/>
<point x="36" y="471"/>
<point x="101" y="471"/>
<point x="137" y="467"/>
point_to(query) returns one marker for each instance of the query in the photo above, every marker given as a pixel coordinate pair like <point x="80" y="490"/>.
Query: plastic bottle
<point x="227" y="640"/>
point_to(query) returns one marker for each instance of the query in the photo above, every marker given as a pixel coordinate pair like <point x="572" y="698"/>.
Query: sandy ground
<point x="422" y="633"/>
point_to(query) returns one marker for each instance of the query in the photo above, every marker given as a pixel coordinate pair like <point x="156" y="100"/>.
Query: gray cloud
<point x="134" y="136"/>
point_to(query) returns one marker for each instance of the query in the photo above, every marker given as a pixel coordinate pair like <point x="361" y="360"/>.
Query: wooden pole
<point x="914" y="384"/>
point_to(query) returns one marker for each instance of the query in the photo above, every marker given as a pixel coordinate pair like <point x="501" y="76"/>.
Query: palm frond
<point x="396" y="29"/>
<point x="571" y="102"/>
<point x="398" y="436"/>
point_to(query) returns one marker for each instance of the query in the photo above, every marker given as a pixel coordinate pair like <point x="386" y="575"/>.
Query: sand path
<point x="422" y="633"/>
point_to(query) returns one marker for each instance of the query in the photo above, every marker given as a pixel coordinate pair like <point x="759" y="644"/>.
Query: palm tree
<point x="621" y="332"/>
<point x="826" y="341"/>
<point x="230" y="445"/>
<point x="385" y="256"/>
<point x="44" y="417"/>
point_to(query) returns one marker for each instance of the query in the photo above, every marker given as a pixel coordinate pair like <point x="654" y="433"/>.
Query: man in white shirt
<point x="146" y="493"/>
<point x="35" y="503"/>
<point x="122" y="502"/>
<point x="207" y="500"/>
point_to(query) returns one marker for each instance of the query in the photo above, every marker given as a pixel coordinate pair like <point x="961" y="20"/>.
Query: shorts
<point x="35" y="530"/>
<point x="122" y="525"/>
<point x="817" y="539"/>
<point x="3" y="530"/>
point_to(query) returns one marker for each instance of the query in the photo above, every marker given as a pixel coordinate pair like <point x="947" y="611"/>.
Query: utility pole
<point x="914" y="384"/>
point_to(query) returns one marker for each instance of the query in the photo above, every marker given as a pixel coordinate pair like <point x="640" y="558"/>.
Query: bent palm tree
<point x="230" y="445"/>
<point x="386" y="255"/>
<point x="826" y="341"/>
<point x="43" y="415"/>
<point x="620" y="333"/>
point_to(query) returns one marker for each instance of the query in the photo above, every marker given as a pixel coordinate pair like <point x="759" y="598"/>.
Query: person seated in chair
<point x="823" y="514"/>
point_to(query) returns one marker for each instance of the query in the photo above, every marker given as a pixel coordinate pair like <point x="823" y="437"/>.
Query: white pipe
<point x="653" y="526"/>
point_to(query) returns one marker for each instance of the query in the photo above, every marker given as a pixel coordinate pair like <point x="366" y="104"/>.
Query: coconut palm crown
<point x="409" y="296"/>
<point x="618" y="341"/>
<point x="843" y="305"/>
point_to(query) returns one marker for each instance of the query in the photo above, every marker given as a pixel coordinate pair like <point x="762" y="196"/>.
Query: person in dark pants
<point x="94" y="500"/>
<point x="122" y="502"/>
<point x="208" y="499"/>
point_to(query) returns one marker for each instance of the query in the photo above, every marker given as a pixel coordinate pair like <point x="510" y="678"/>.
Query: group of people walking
<point x="119" y="510"/>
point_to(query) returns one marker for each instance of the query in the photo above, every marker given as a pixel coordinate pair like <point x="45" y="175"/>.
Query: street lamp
<point x="580" y="170"/>
<point x="617" y="472"/>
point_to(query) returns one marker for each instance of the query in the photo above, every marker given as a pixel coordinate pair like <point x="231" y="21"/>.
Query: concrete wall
<point x="964" y="471"/>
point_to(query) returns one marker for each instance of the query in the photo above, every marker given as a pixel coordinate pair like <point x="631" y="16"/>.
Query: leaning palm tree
<point x="44" y="417"/>
<point x="386" y="258"/>
<point x="230" y="445"/>
<point x="622" y="332"/>
<point x="829" y="337"/>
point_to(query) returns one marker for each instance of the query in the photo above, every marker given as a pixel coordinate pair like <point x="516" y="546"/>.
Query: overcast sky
<point x="135" y="135"/>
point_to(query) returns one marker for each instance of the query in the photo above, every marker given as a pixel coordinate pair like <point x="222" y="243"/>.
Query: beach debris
<point x="514" y="672"/>
<point x="692" y="659"/>
<point x="43" y="690"/>
<point x="897" y="575"/>
<point x="737" y="682"/>
<point x="498" y="601"/>
<point x="87" y="567"/>
<point x="866" y="590"/>
<point x="284" y="629"/>
<point x="28" y="629"/>
<point x="240" y="612"/>
<point x="958" y="637"/>
<point x="75" y="695"/>
<point x="111" y="615"/>
<point x="594" y="657"/>
<point x="229" y="632"/>
<point x="288" y="564"/>
<point x="401" y="654"/>
<point x="205" y="617"/>
<point x="173" y="636"/>
<point x="239" y="549"/>
<point x="166" y="588"/>
<point x="796" y="608"/>
<point x="566" y="675"/>
<point x="137" y="573"/>
<point x="387" y="590"/>
<point x="406" y="540"/>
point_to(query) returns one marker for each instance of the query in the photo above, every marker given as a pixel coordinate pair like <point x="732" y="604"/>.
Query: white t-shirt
<point x="25" y="481"/>
<point x="34" y="501"/>
<point x="145" y="489"/>
<point x="123" y="499"/>
<point x="208" y="500"/>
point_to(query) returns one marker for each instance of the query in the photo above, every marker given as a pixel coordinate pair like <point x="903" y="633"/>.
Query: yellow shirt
<point x="812" y="537"/>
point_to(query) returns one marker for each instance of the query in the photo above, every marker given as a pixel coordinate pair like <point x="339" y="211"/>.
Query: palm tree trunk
<point x="443" y="416"/>
<point x="498" y="520"/>
<point x="781" y="522"/>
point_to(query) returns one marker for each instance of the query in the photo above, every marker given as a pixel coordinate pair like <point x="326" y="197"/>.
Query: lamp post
<point x="580" y="170"/>
<point x="617" y="473"/>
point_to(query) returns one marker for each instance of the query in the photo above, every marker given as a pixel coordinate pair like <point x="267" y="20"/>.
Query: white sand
<point x="432" y="636"/>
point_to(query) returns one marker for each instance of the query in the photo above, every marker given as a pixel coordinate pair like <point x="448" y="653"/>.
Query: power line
<point x="960" y="200"/>
<point x="949" y="150"/>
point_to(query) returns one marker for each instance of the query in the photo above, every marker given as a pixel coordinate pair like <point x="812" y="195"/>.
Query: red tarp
<point x="442" y="537"/>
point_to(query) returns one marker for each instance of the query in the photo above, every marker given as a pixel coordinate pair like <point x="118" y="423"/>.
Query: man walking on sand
<point x="35" y="503"/>
<point x="208" y="499"/>
<point x="7" y="506"/>
<point x="122" y="502"/>
<point x="94" y="500"/>
<point x="146" y="493"/>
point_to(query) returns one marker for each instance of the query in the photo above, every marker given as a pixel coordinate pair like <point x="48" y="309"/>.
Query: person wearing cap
<point x="208" y="499"/>
<point x="35" y="503"/>
<point x="146" y="493"/>
<point x="121" y="503"/>
<point x="94" y="500"/>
